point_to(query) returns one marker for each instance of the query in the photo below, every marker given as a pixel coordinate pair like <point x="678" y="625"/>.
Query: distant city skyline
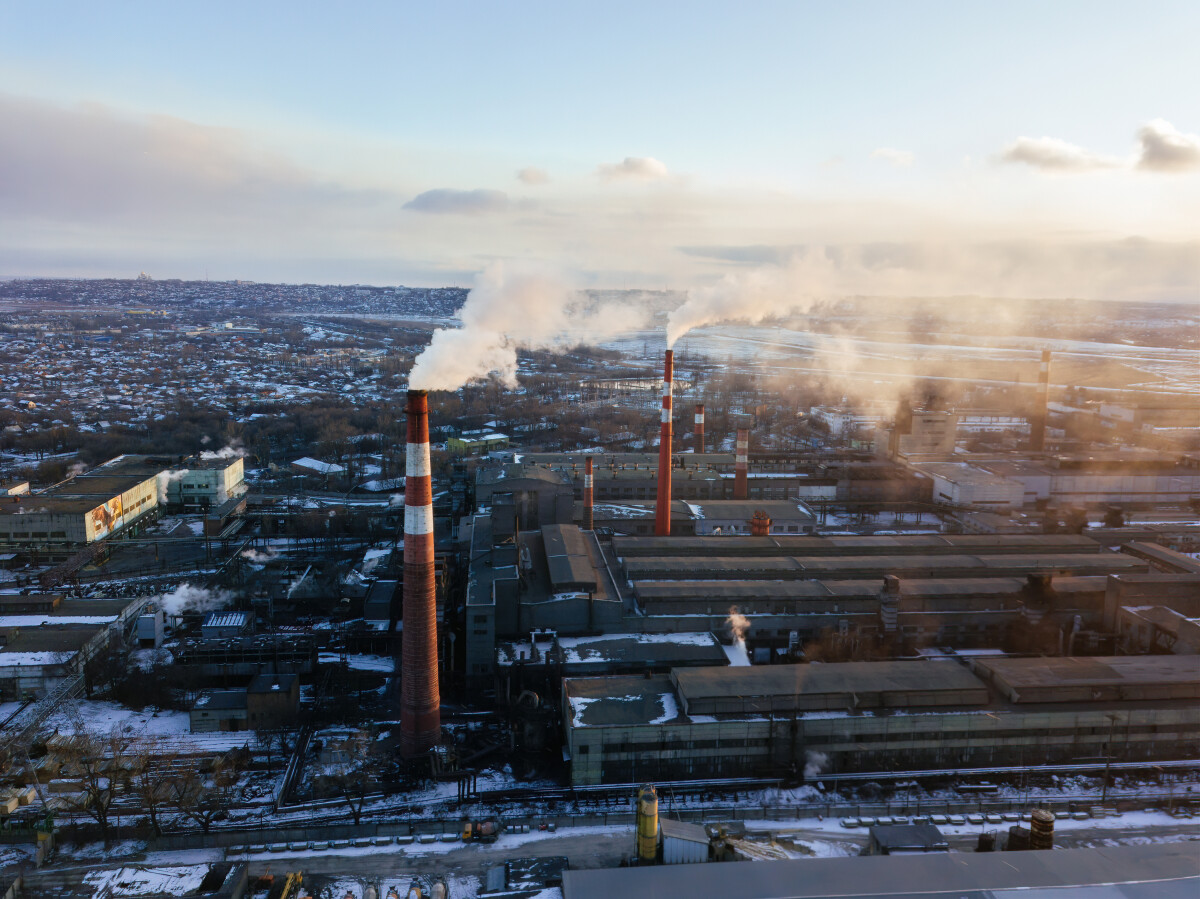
<point x="1020" y="150"/>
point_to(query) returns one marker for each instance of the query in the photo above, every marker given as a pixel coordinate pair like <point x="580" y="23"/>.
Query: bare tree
<point x="150" y="768"/>
<point x="204" y="797"/>
<point x="101" y="765"/>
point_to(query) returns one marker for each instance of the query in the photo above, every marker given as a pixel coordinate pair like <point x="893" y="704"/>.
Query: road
<point x="605" y="847"/>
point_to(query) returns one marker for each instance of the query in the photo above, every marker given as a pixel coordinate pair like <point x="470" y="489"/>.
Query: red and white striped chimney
<point x="587" y="493"/>
<point x="699" y="428"/>
<point x="1037" y="421"/>
<point x="662" y="508"/>
<point x="741" y="466"/>
<point x="420" y="700"/>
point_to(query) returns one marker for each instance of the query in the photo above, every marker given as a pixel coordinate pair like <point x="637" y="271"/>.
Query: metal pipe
<point x="1037" y="422"/>
<point x="699" y="448"/>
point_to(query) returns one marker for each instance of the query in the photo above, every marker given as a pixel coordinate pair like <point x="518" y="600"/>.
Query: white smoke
<point x="262" y="558"/>
<point x="395" y="500"/>
<point x="814" y="764"/>
<point x="165" y="479"/>
<point x="753" y="296"/>
<point x="76" y="469"/>
<point x="738" y="624"/>
<point x="189" y="599"/>
<point x="225" y="452"/>
<point x="511" y="308"/>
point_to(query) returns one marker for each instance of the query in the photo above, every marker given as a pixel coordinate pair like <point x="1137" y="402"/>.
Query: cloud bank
<point x="633" y="168"/>
<point x="533" y="176"/>
<point x="1161" y="147"/>
<point x="448" y="201"/>
<point x="898" y="158"/>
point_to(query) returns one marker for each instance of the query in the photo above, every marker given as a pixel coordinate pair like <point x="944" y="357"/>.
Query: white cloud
<point x="1165" y="149"/>
<point x="533" y="176"/>
<point x="448" y="201"/>
<point x="633" y="168"/>
<point x="900" y="158"/>
<point x="1053" y="155"/>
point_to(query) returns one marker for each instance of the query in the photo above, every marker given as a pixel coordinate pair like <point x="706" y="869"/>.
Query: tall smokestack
<point x="1037" y="421"/>
<point x="587" y="493"/>
<point x="741" y="466"/>
<point x="662" y="508"/>
<point x="699" y="427"/>
<point x="420" y="701"/>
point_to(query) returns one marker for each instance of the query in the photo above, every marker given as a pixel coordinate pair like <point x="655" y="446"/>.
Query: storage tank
<point x="1041" y="829"/>
<point x="647" y="825"/>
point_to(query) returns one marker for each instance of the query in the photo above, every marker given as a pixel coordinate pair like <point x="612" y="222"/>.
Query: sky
<point x="1017" y="149"/>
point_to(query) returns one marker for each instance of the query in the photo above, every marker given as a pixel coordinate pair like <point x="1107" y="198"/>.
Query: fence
<point x="417" y="826"/>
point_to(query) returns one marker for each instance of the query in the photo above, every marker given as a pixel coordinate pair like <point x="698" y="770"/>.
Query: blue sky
<point x="287" y="141"/>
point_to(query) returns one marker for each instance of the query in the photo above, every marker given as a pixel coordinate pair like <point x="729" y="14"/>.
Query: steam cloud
<point x="814" y="764"/>
<point x="749" y="297"/>
<point x="165" y="479"/>
<point x="186" y="599"/>
<point x="738" y="624"/>
<point x="513" y="308"/>
<point x="225" y="452"/>
<point x="253" y="555"/>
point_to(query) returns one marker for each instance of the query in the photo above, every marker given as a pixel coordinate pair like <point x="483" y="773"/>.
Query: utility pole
<point x="1108" y="754"/>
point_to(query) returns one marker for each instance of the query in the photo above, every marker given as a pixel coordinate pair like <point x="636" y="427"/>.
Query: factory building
<point x="46" y="638"/>
<point x="698" y="723"/>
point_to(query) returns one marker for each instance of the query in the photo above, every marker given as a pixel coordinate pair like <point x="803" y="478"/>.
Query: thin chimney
<point x="662" y="509"/>
<point x="741" y="465"/>
<point x="699" y="427"/>
<point x="1037" y="421"/>
<point x="587" y="494"/>
<point x="420" y="700"/>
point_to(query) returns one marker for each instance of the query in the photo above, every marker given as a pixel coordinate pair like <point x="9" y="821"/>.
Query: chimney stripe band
<point x="416" y="460"/>
<point x="418" y="519"/>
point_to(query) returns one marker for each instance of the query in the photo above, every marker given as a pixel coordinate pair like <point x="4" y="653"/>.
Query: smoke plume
<point x="749" y="297"/>
<point x="225" y="452"/>
<point x="253" y="555"/>
<point x="165" y="479"/>
<point x="511" y="308"/>
<point x="814" y="764"/>
<point x="738" y="624"/>
<point x="187" y="599"/>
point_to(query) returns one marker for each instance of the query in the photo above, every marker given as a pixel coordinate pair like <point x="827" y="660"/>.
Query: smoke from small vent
<point x="188" y="599"/>
<point x="517" y="307"/>
<point x="814" y="764"/>
<point x="738" y="624"/>
<point x="226" y="452"/>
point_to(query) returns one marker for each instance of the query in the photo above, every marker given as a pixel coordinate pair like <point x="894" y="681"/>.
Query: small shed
<point x="906" y="839"/>
<point x="683" y="843"/>
<point x="150" y="629"/>
<point x="222" y="625"/>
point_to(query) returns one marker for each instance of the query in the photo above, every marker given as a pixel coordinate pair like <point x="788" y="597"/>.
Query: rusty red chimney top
<point x="662" y="508"/>
<point x="587" y="494"/>
<point x="420" y="699"/>
<point x="741" y="465"/>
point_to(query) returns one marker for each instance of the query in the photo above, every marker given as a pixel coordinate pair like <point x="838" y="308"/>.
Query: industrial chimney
<point x="741" y="465"/>
<point x="662" y="508"/>
<point x="699" y="448"/>
<point x="1037" y="421"/>
<point x="420" y="701"/>
<point x="760" y="524"/>
<point x="587" y="493"/>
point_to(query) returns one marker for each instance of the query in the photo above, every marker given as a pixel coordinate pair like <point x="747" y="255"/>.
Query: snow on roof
<point x="318" y="466"/>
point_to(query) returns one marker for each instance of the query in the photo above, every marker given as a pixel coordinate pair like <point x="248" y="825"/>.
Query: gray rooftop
<point x="836" y="686"/>
<point x="1160" y="871"/>
<point x="1094" y="678"/>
